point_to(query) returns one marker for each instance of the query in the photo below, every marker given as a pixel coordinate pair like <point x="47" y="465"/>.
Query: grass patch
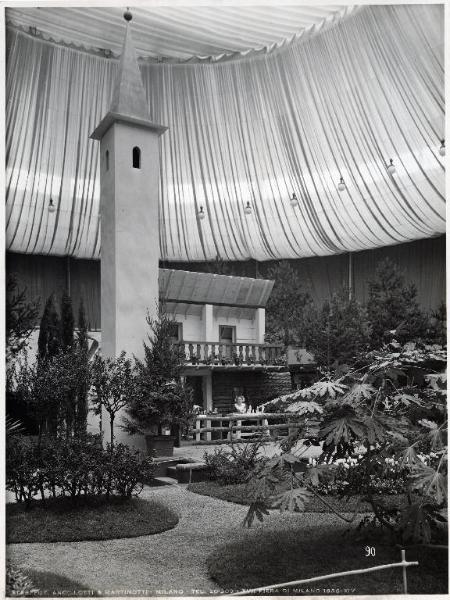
<point x="238" y="494"/>
<point x="60" y="520"/>
<point x="266" y="557"/>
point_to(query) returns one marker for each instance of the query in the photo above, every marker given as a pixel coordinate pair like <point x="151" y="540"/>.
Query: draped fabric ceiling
<point x="178" y="33"/>
<point x="340" y="100"/>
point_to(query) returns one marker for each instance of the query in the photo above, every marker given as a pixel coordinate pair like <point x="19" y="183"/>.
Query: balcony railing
<point x="209" y="353"/>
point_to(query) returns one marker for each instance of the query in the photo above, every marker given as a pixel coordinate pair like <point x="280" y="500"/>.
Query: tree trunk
<point x="111" y="430"/>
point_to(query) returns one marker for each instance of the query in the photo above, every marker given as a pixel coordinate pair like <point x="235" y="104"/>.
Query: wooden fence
<point x="234" y="428"/>
<point x="403" y="564"/>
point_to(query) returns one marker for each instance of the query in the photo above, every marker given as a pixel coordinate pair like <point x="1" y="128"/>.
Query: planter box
<point x="160" y="445"/>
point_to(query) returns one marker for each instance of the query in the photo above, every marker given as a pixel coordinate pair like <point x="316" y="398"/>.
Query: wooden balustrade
<point x="232" y="426"/>
<point x="239" y="354"/>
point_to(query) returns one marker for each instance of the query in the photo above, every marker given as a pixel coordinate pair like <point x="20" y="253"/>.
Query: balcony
<point x="226" y="356"/>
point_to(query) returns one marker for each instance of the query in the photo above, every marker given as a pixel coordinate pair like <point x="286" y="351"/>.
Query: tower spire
<point x="129" y="101"/>
<point x="129" y="95"/>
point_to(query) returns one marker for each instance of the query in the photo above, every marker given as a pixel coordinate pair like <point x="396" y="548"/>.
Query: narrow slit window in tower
<point x="136" y="158"/>
<point x="107" y="160"/>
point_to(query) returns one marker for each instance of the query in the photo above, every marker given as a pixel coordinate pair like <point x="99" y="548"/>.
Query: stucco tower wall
<point x="130" y="242"/>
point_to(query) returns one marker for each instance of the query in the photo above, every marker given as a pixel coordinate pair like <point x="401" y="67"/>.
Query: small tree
<point x="392" y="308"/>
<point x="46" y="387"/>
<point x="161" y="398"/>
<point x="20" y="317"/>
<point x="339" y="333"/>
<point x="287" y="304"/>
<point x="83" y="349"/>
<point x="49" y="341"/>
<point x="113" y="387"/>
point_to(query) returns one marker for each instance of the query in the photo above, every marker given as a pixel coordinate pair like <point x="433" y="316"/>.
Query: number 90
<point x="370" y="550"/>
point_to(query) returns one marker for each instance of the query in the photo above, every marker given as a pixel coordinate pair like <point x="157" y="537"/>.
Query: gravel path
<point x="169" y="563"/>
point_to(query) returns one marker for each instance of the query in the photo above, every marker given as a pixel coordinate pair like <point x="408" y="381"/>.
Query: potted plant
<point x="237" y="359"/>
<point x="162" y="404"/>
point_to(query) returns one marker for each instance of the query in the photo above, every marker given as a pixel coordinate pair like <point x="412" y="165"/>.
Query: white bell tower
<point x="129" y="198"/>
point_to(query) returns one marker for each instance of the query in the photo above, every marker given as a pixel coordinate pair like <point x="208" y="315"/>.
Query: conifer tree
<point x="340" y="332"/>
<point x="49" y="341"/>
<point x="82" y="336"/>
<point x="67" y="321"/>
<point x="160" y="397"/>
<point x="287" y="304"/>
<point x="392" y="308"/>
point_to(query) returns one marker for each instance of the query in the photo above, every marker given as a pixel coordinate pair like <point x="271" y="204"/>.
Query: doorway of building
<point x="196" y="384"/>
<point x="227" y="337"/>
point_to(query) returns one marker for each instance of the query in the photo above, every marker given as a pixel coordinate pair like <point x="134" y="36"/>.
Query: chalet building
<point x="219" y="322"/>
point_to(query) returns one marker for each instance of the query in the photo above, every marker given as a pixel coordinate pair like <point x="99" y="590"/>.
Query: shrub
<point x="73" y="467"/>
<point x="22" y="469"/>
<point x="129" y="473"/>
<point x="233" y="465"/>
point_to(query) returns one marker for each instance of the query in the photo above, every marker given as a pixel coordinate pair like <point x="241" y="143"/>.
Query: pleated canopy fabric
<point x="251" y="130"/>
<point x="177" y="33"/>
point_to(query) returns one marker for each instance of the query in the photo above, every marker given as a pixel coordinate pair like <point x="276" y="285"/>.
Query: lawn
<point x="238" y="494"/>
<point x="267" y="557"/>
<point x="93" y="519"/>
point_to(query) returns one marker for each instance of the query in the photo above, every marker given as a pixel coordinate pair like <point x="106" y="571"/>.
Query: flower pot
<point x="160" y="445"/>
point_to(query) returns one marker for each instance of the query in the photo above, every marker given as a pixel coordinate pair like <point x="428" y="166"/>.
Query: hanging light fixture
<point x="442" y="148"/>
<point x="391" y="167"/>
<point x="293" y="200"/>
<point x="248" y="208"/>
<point x="201" y="214"/>
<point x="341" y="185"/>
<point x="51" y="206"/>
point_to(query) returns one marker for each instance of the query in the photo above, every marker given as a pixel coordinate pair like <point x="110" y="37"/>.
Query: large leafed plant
<point x="390" y="411"/>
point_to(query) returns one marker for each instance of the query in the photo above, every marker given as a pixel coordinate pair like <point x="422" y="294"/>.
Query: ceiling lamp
<point x="248" y="208"/>
<point x="341" y="184"/>
<point x="51" y="206"/>
<point x="293" y="200"/>
<point x="442" y="148"/>
<point x="201" y="214"/>
<point x="390" y="167"/>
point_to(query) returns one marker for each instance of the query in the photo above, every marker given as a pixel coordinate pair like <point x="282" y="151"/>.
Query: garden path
<point x="169" y="563"/>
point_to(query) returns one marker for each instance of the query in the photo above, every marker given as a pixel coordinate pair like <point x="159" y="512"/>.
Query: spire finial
<point x="127" y="15"/>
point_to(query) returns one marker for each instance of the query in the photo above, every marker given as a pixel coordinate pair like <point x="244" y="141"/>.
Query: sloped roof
<point x="209" y="288"/>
